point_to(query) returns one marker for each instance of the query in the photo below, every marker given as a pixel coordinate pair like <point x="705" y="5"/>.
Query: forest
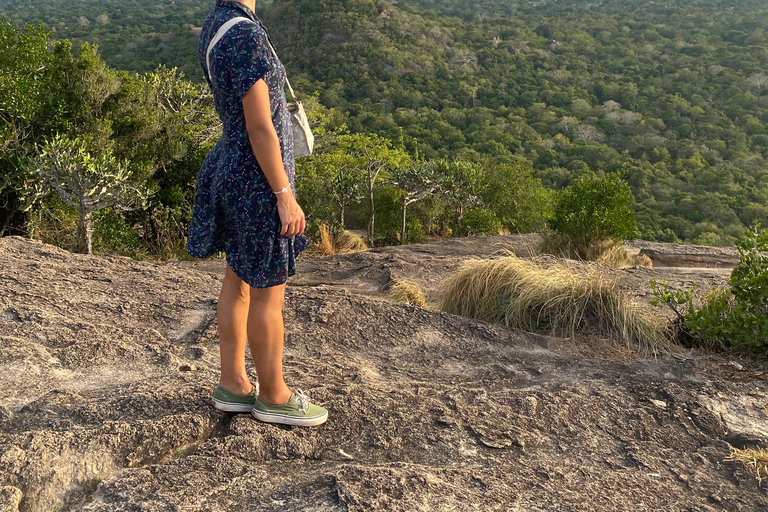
<point x="515" y="100"/>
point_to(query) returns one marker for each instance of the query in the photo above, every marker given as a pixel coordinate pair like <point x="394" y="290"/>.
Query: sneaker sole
<point x="230" y="406"/>
<point x="288" y="420"/>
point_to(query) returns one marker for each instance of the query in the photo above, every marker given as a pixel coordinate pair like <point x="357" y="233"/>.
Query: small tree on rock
<point x="415" y="181"/>
<point x="375" y="157"/>
<point x="85" y="182"/>
<point x="460" y="183"/>
<point x="594" y="210"/>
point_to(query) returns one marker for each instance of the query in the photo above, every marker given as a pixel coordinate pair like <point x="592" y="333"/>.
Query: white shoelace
<point x="302" y="400"/>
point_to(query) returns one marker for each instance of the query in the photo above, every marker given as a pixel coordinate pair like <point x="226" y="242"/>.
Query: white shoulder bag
<point x="303" y="140"/>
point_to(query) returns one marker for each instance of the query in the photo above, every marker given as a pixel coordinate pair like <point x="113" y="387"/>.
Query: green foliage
<point x="95" y="135"/>
<point x="481" y="221"/>
<point x="735" y="317"/>
<point x="535" y="93"/>
<point x="460" y="183"/>
<point x="23" y="61"/>
<point x="113" y="235"/>
<point x="594" y="210"/>
<point x="518" y="200"/>
<point x="674" y="92"/>
<point x="749" y="287"/>
<point x="675" y="299"/>
<point x="83" y="181"/>
<point x="372" y="157"/>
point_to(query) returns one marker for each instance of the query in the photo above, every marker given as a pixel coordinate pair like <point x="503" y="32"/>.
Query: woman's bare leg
<point x="232" y="316"/>
<point x="265" y="336"/>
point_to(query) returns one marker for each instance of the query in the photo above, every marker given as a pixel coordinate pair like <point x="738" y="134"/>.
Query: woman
<point x="245" y="206"/>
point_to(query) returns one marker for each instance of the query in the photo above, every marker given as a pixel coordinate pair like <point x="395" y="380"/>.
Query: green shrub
<point x="480" y="221"/>
<point x="736" y="317"/>
<point x="113" y="235"/>
<point x="593" y="210"/>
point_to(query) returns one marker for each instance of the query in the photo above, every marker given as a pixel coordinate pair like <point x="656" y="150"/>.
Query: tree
<point x="86" y="183"/>
<point x="24" y="61"/>
<point x="340" y="179"/>
<point x="374" y="156"/>
<point x="415" y="182"/>
<point x="594" y="210"/>
<point x="519" y="201"/>
<point x="460" y="183"/>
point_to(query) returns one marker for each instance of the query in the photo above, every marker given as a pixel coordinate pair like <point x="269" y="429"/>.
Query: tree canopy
<point x="674" y="94"/>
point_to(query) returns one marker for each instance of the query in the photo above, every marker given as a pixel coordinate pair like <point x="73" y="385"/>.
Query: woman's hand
<point x="266" y="148"/>
<point x="291" y="215"/>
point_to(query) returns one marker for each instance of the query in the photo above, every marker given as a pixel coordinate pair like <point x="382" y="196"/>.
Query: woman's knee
<point x="237" y="286"/>
<point x="274" y="296"/>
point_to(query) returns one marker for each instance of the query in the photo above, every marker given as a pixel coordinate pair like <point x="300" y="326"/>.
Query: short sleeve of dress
<point x="250" y="57"/>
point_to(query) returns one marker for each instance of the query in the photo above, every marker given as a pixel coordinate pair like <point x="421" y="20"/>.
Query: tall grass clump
<point x="343" y="242"/>
<point x="407" y="292"/>
<point x="349" y="242"/>
<point x="554" y="301"/>
<point x="610" y="252"/>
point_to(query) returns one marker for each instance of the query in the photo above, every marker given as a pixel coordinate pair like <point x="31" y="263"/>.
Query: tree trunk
<point x="459" y="215"/>
<point x="341" y="217"/>
<point x="402" y="232"/>
<point x="373" y="212"/>
<point x="84" y="231"/>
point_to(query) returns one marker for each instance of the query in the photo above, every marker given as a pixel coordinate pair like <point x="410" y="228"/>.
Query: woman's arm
<point x="266" y="149"/>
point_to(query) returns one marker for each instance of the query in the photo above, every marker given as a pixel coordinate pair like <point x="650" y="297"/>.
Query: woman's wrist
<point x="283" y="190"/>
<point x="285" y="195"/>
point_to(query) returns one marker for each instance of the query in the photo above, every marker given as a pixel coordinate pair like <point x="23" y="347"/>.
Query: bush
<point x="594" y="210"/>
<point x="736" y="317"/>
<point x="480" y="221"/>
<point x="113" y="235"/>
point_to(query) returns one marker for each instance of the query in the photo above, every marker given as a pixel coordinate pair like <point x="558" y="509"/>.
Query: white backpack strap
<point x="219" y="34"/>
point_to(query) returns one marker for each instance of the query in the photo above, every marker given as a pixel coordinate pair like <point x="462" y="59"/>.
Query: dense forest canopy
<point x="673" y="94"/>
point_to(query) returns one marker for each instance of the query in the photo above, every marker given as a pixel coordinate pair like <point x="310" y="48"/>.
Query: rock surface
<point x="684" y="255"/>
<point x="428" y="411"/>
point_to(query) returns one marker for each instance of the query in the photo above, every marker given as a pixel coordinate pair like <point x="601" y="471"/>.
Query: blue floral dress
<point x="235" y="209"/>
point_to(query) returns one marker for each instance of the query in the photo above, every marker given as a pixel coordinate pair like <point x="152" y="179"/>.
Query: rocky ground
<point x="106" y="365"/>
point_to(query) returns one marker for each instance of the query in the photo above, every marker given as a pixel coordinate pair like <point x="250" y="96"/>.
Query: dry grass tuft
<point x="554" y="301"/>
<point x="641" y="260"/>
<point x="348" y="242"/>
<point x="609" y="252"/>
<point x="326" y="247"/>
<point x="754" y="461"/>
<point x="407" y="292"/>
<point x="331" y="243"/>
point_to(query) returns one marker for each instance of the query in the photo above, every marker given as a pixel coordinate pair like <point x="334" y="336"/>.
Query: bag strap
<point x="217" y="37"/>
<point x="287" y="82"/>
<point x="223" y="30"/>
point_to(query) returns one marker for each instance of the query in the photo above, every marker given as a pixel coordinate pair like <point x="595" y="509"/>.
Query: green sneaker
<point x="232" y="402"/>
<point x="297" y="411"/>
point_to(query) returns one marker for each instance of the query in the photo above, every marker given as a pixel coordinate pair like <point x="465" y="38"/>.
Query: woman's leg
<point x="232" y="316"/>
<point x="265" y="335"/>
